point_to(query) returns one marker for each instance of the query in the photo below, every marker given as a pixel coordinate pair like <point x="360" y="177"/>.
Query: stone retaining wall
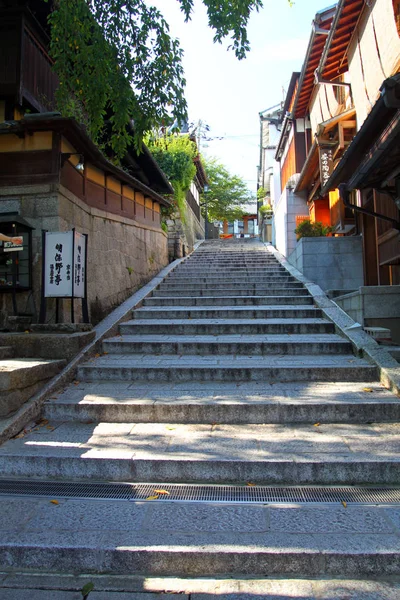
<point x="123" y="254"/>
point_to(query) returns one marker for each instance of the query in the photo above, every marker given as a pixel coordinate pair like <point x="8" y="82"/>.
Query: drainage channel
<point x="202" y="493"/>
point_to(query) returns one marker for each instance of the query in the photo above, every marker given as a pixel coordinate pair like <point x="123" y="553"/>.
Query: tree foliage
<point x="117" y="62"/>
<point x="175" y="154"/>
<point x="228" y="194"/>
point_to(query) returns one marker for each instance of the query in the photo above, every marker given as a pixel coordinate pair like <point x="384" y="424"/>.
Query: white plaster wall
<point x="195" y="192"/>
<point x="280" y="223"/>
<point x="366" y="78"/>
<point x="296" y="206"/>
<point x="289" y="206"/>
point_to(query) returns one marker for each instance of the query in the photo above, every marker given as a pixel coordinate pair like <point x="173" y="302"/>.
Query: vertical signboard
<point x="64" y="270"/>
<point x="58" y="265"/>
<point x="325" y="164"/>
<point x="79" y="265"/>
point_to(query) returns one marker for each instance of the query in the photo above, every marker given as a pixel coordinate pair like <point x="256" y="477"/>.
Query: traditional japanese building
<point x="348" y="94"/>
<point x="53" y="177"/>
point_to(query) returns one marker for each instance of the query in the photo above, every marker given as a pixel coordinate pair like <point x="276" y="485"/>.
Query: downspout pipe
<point x="344" y="195"/>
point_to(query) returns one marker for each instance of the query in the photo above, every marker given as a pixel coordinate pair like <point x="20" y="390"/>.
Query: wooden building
<point x="346" y="99"/>
<point x="53" y="177"/>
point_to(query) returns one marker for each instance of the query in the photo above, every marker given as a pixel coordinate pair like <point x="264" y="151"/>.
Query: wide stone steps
<point x="207" y="403"/>
<point x="213" y="453"/>
<point x="211" y="301"/>
<point x="226" y="368"/>
<point x="274" y="284"/>
<point x="221" y="345"/>
<point x="40" y="586"/>
<point x="225" y="270"/>
<point x="227" y="312"/>
<point x="266" y="291"/>
<point x="226" y="326"/>
<point x="240" y="279"/>
<point x="163" y="539"/>
<point x="227" y="375"/>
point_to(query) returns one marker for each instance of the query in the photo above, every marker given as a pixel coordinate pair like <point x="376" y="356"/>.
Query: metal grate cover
<point x="203" y="493"/>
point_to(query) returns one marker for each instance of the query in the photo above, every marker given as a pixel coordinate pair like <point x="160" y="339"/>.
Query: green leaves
<point x="118" y="64"/>
<point x="228" y="18"/>
<point x="175" y="154"/>
<point x="228" y="194"/>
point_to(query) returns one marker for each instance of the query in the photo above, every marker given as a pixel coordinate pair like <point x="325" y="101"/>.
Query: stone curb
<point x="363" y="343"/>
<point x="106" y="328"/>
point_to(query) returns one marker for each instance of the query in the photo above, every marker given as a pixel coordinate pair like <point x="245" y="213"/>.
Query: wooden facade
<point x="25" y="161"/>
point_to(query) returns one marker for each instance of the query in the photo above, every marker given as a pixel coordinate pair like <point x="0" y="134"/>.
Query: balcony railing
<point x="38" y="81"/>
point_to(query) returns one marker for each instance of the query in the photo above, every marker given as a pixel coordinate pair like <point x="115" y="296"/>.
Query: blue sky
<point x="228" y="94"/>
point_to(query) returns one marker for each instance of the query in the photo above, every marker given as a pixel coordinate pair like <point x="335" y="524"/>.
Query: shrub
<point x="308" y="229"/>
<point x="266" y="210"/>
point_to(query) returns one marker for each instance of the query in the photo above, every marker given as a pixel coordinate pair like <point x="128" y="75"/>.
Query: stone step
<point x="243" y="403"/>
<point x="278" y="302"/>
<point x="205" y="345"/>
<point x="226" y="269"/>
<point x="209" y="269"/>
<point x="42" y="586"/>
<point x="276" y="283"/>
<point x="225" y="326"/>
<point x="243" y="281"/>
<point x="213" y="453"/>
<point x="226" y="368"/>
<point x="6" y="352"/>
<point x="103" y="539"/>
<point x="21" y="378"/>
<point x="265" y="291"/>
<point x="226" y="312"/>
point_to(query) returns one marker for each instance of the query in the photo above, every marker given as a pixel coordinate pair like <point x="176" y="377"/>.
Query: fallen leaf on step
<point x="27" y="331"/>
<point x="152" y="498"/>
<point x="344" y="503"/>
<point x="97" y="355"/>
<point x="317" y="424"/>
<point x="250" y="484"/>
<point x="368" y="390"/>
<point x="162" y="492"/>
<point x="104" y="353"/>
<point x="76" y="382"/>
<point x="213" y="426"/>
<point x="170" y="427"/>
<point x="50" y="427"/>
<point x="85" y="591"/>
<point x="42" y="422"/>
<point x="54" y="502"/>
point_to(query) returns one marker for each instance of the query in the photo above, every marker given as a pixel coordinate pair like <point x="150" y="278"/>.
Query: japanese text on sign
<point x="64" y="265"/>
<point x="325" y="164"/>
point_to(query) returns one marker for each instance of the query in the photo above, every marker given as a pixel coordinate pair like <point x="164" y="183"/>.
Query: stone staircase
<point x="227" y="375"/>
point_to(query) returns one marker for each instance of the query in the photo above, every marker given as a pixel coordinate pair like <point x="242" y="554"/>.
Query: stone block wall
<point x="374" y="306"/>
<point x="183" y="236"/>
<point x="333" y="263"/>
<point x="122" y="254"/>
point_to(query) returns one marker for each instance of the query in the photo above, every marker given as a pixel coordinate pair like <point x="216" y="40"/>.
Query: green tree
<point x="174" y="154"/>
<point x="117" y="62"/>
<point x="228" y="194"/>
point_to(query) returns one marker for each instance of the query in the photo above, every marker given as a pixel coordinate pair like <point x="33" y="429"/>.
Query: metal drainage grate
<point x="202" y="493"/>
